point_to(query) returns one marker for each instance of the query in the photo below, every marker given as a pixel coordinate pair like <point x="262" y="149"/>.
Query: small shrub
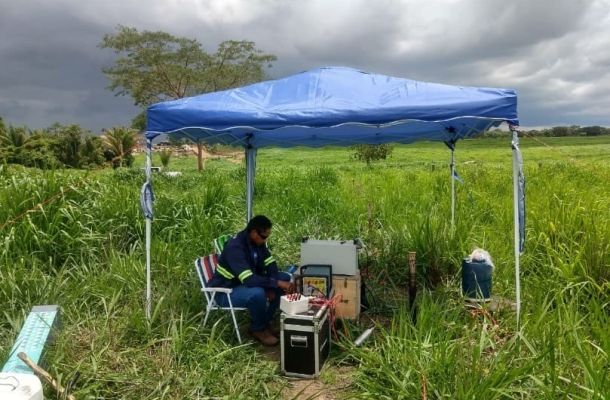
<point x="165" y="155"/>
<point x="371" y="152"/>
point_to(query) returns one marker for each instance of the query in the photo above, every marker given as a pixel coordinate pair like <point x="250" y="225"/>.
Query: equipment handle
<point x="298" y="341"/>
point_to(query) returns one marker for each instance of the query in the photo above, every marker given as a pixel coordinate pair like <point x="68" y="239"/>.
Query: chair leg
<point x="234" y="320"/>
<point x="208" y="308"/>
<point x="205" y="319"/>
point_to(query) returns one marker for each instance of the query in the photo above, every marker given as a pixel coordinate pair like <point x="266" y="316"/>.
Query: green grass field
<point x="76" y="238"/>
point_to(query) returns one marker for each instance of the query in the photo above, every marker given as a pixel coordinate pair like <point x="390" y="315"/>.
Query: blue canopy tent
<point x="335" y="106"/>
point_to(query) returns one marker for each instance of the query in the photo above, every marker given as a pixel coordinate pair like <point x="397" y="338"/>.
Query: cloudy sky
<point x="555" y="53"/>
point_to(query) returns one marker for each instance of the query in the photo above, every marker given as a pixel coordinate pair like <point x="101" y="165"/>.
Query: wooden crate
<point x="348" y="286"/>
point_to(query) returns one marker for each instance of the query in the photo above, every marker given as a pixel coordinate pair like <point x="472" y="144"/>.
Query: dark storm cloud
<point x="555" y="53"/>
<point x="51" y="69"/>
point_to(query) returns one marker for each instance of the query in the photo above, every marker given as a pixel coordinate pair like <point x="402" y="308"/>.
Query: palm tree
<point x="120" y="142"/>
<point x="15" y="137"/>
<point x="3" y="140"/>
<point x="12" y="141"/>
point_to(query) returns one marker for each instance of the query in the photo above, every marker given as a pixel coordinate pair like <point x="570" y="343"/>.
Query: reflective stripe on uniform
<point x="224" y="272"/>
<point x="245" y="274"/>
<point x="269" y="260"/>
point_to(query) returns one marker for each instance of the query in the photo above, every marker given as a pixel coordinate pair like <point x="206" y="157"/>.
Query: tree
<point x="560" y="131"/>
<point x="4" y="153"/>
<point x="119" y="143"/>
<point x="139" y="122"/>
<point x="76" y="147"/>
<point x="15" y="137"/>
<point x="593" y="130"/>
<point x="19" y="145"/>
<point x="156" y="66"/>
<point x="39" y="151"/>
<point x="92" y="152"/>
<point x="13" y="140"/>
<point x="54" y="147"/>
<point x="371" y="152"/>
<point x="68" y="149"/>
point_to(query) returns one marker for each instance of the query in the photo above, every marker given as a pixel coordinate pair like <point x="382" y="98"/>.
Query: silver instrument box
<point x="341" y="254"/>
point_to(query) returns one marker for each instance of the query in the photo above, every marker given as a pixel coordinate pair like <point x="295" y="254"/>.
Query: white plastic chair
<point x="205" y="267"/>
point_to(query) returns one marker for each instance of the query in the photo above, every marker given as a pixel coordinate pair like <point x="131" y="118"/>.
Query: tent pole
<point x="250" y="173"/>
<point x="148" y="231"/>
<point x="451" y="145"/>
<point x="452" y="189"/>
<point x="514" y="145"/>
<point x="148" y="283"/>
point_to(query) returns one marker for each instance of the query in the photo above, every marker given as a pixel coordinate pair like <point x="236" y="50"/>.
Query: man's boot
<point x="265" y="337"/>
<point x="273" y="331"/>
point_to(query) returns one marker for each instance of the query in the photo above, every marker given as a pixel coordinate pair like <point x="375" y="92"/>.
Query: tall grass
<point x="83" y="249"/>
<point x="450" y="354"/>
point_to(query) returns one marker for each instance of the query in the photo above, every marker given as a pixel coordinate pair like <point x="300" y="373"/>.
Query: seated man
<point x="247" y="266"/>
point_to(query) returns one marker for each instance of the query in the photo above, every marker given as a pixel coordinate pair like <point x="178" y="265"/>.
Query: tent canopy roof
<point x="334" y="106"/>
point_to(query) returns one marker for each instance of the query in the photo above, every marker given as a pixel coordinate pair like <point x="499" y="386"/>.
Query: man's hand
<point x="287" y="287"/>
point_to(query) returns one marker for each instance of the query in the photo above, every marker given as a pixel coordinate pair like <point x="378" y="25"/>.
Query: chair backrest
<point x="220" y="241"/>
<point x="205" y="267"/>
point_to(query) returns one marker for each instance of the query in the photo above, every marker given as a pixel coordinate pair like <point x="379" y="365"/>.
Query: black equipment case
<point x="305" y="342"/>
<point x="315" y="280"/>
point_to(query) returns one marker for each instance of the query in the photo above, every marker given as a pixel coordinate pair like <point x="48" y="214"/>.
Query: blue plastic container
<point x="476" y="279"/>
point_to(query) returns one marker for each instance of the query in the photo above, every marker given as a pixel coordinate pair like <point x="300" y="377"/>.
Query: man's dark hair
<point x="260" y="223"/>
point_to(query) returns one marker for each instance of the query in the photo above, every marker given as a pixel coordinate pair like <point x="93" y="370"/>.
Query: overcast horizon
<point x="556" y="54"/>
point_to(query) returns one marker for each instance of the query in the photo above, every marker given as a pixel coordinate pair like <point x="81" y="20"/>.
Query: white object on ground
<point x="365" y="335"/>
<point x="172" y="174"/>
<point x="480" y="255"/>
<point x="20" y="387"/>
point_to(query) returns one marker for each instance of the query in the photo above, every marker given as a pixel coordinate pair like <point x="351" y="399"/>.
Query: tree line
<point x="66" y="146"/>
<point x="556" y="131"/>
<point x="71" y="146"/>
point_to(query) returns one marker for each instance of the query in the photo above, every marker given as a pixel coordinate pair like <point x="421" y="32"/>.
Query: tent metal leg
<point x="452" y="189"/>
<point x="250" y="174"/>
<point x="515" y="147"/>
<point x="148" y="233"/>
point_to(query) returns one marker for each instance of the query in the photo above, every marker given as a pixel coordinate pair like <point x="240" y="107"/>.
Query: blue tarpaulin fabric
<point x="334" y="106"/>
<point x="457" y="177"/>
<point x="147" y="197"/>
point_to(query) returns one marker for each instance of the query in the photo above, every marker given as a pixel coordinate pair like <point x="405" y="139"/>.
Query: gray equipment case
<point x="305" y="342"/>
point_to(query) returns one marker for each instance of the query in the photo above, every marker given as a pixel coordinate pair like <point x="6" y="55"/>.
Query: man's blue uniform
<point x="250" y="270"/>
